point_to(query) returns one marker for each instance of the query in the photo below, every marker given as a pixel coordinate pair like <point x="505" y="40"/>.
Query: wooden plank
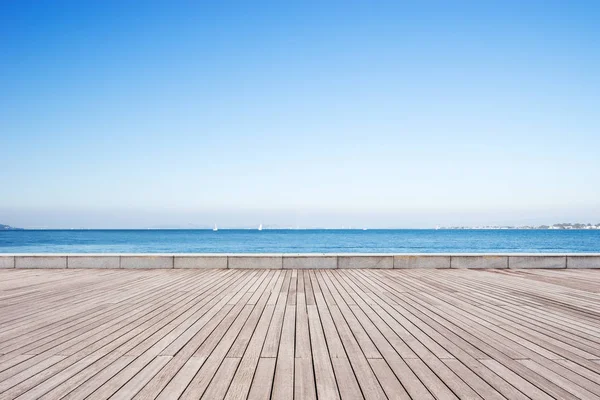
<point x="385" y="347"/>
<point x="240" y="386"/>
<point x="576" y="390"/>
<point x="302" y="334"/>
<point x="217" y="349"/>
<point x="220" y="383"/>
<point x="156" y="385"/>
<point x="327" y="334"/>
<point x="348" y="388"/>
<point x="364" y="374"/>
<point x="391" y="385"/>
<point x="327" y="387"/>
<point x="132" y="387"/>
<point x="179" y="382"/>
<point x="271" y="345"/>
<point x="283" y="383"/>
<point x="304" y="381"/>
<point x="263" y="380"/>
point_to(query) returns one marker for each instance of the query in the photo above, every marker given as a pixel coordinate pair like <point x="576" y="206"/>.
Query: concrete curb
<point x="421" y="261"/>
<point x="521" y="262"/>
<point x="479" y="261"/>
<point x="300" y="261"/>
<point x="7" y="262"/>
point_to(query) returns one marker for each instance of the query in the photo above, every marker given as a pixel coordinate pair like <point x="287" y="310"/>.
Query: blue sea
<point x="300" y="241"/>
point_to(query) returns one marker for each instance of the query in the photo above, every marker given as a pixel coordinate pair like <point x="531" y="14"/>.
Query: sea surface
<point x="300" y="241"/>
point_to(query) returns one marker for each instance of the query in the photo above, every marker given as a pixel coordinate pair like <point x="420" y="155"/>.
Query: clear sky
<point x="382" y="114"/>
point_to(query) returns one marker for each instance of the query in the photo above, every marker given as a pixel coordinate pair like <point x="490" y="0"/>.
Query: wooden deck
<point x="303" y="334"/>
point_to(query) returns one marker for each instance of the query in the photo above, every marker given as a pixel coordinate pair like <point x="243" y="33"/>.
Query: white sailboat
<point x="215" y="228"/>
<point x="260" y="227"/>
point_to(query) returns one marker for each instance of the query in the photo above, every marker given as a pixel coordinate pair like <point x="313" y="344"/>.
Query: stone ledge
<point x="199" y="261"/>
<point x="301" y="261"/>
<point x="40" y="261"/>
<point x="523" y="262"/>
<point x="7" y="262"/>
<point x="365" y="261"/>
<point x="479" y="261"/>
<point x="583" y="261"/>
<point x="100" y="262"/>
<point x="309" y="262"/>
<point x="147" y="262"/>
<point x="430" y="262"/>
<point x="255" y="261"/>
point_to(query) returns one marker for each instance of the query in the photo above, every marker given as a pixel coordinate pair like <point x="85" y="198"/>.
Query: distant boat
<point x="364" y="229"/>
<point x="215" y="228"/>
<point x="260" y="227"/>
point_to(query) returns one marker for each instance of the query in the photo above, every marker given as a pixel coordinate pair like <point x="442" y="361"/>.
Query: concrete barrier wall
<point x="365" y="261"/>
<point x="41" y="261"/>
<point x="520" y="262"/>
<point x="7" y="262"/>
<point x="82" y="261"/>
<point x="309" y="261"/>
<point x="250" y="261"/>
<point x="583" y="261"/>
<point x="147" y="261"/>
<point x="421" y="261"/>
<point x="300" y="261"/>
<point x="196" y="261"/>
<point x="479" y="261"/>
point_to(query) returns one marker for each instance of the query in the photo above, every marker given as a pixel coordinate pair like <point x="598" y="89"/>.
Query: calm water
<point x="298" y="241"/>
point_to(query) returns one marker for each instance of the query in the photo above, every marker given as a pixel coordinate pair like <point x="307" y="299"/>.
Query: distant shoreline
<point x="9" y="228"/>
<point x="303" y="229"/>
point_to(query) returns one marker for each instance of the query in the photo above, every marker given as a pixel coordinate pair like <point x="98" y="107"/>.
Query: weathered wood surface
<point x="303" y="334"/>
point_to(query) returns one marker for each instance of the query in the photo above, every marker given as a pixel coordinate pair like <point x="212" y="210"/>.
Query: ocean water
<point x="300" y="241"/>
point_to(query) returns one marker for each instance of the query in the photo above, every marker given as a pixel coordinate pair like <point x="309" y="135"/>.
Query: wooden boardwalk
<point x="303" y="334"/>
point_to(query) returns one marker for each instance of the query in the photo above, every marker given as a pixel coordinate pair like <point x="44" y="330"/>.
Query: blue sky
<point x="394" y="114"/>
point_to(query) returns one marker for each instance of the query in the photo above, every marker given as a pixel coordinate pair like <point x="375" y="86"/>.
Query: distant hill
<point x="9" y="228"/>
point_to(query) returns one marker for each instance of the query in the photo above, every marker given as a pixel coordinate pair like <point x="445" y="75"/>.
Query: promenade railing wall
<point x="300" y="261"/>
